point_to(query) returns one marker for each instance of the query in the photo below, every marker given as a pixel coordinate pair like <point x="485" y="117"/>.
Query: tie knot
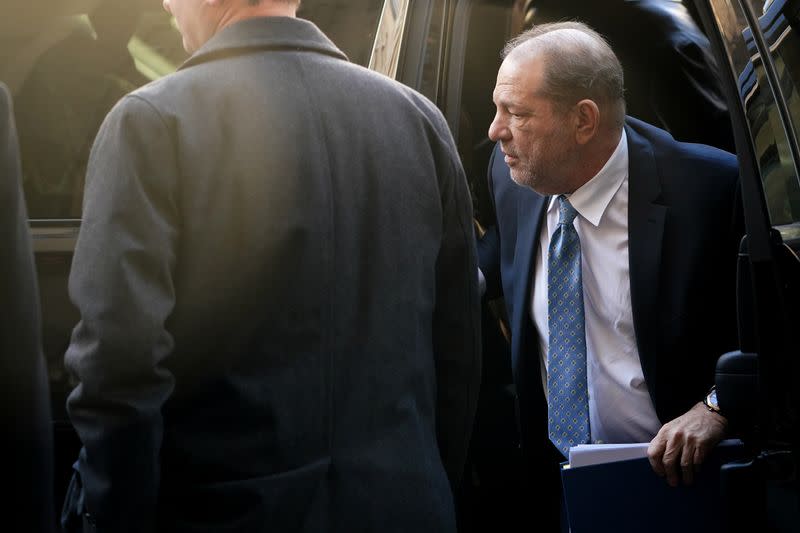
<point x="566" y="213"/>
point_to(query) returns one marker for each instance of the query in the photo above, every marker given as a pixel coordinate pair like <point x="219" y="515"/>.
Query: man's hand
<point x="682" y="444"/>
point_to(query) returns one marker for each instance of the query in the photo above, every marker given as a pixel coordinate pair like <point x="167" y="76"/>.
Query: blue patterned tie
<point x="567" y="393"/>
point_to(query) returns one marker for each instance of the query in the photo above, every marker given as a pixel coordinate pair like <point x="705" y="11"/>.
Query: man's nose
<point x="498" y="130"/>
<point x="165" y="5"/>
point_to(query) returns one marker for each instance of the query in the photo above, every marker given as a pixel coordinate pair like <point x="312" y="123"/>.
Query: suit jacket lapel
<point x="531" y="208"/>
<point x="645" y="230"/>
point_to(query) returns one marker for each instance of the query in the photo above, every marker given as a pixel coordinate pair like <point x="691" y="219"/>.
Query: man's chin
<point x="522" y="179"/>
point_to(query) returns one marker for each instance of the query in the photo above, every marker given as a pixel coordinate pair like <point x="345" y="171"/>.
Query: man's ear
<point x="587" y="121"/>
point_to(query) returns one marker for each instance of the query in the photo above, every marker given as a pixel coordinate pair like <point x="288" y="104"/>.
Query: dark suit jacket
<point x="27" y="442"/>
<point x="276" y="275"/>
<point x="684" y="227"/>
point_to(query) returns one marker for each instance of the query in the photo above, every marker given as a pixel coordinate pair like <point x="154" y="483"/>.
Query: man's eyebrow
<point x="501" y="98"/>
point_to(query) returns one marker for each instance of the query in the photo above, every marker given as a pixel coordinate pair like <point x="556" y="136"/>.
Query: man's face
<point x="535" y="137"/>
<point x="194" y="21"/>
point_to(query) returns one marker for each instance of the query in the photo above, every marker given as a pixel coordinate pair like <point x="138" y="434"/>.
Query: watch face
<point x="711" y="400"/>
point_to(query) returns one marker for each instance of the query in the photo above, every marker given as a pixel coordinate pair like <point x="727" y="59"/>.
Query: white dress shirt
<point x="620" y="409"/>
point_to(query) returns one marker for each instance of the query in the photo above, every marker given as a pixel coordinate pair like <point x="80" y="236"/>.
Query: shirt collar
<point x="592" y="198"/>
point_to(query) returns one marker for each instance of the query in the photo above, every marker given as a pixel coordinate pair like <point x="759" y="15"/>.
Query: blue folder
<point x="628" y="497"/>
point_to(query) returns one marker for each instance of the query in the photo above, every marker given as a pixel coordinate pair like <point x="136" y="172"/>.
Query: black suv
<point x="68" y="62"/>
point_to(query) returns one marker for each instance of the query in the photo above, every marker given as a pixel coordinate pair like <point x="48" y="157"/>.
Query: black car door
<point x="759" y="45"/>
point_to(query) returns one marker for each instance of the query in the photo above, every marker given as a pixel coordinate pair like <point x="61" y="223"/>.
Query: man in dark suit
<point x="615" y="249"/>
<point x="276" y="275"/>
<point x="27" y="440"/>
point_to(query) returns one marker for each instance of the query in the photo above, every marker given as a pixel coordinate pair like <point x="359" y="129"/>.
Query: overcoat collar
<point x="264" y="33"/>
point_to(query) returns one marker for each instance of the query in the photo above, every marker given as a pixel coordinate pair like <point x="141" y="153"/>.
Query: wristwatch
<point x="710" y="401"/>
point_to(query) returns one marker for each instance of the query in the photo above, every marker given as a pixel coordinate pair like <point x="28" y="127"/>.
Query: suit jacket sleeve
<point x="489" y="246"/>
<point x="456" y="328"/>
<point x="122" y="284"/>
<point x="24" y="396"/>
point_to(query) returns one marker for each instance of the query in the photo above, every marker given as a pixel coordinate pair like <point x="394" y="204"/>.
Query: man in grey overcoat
<point x="277" y="284"/>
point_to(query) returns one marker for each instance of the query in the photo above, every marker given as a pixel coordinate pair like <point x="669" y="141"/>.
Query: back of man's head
<point x="578" y="64"/>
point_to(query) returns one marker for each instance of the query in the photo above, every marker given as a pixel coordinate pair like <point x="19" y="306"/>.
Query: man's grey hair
<point x="578" y="64"/>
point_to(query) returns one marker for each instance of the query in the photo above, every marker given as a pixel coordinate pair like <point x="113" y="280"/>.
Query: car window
<point x="66" y="73"/>
<point x="351" y="24"/>
<point x="422" y="48"/>
<point x="778" y="26"/>
<point x="429" y="75"/>
<point x="772" y="142"/>
<point x="481" y="29"/>
<point x="67" y="67"/>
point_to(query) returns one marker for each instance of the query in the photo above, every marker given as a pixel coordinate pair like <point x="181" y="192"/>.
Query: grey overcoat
<point x="277" y="283"/>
